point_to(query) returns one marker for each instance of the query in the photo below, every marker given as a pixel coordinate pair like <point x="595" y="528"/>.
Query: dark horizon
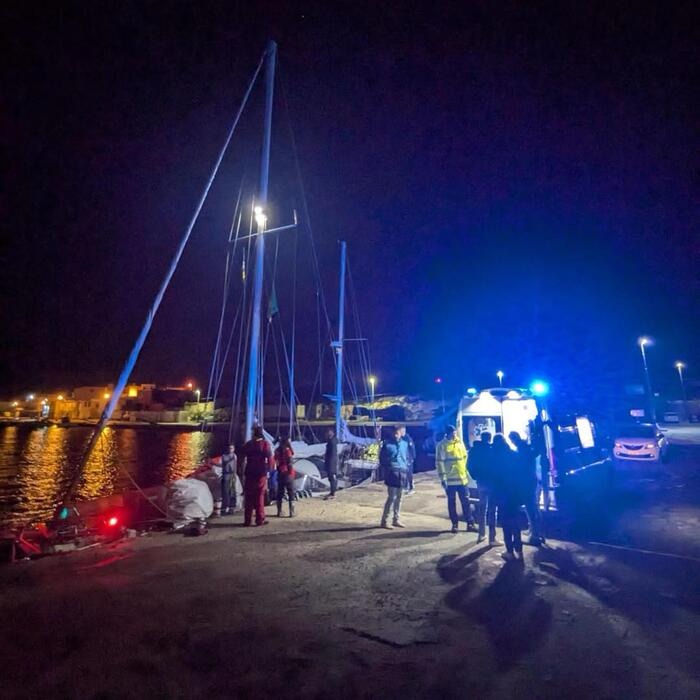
<point x="518" y="186"/>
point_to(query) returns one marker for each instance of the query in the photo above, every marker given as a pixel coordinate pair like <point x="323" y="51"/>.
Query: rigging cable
<point x="227" y="285"/>
<point x="136" y="350"/>
<point x="320" y="297"/>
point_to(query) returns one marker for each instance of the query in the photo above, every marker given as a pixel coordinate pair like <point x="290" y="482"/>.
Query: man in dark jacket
<point x="330" y="461"/>
<point x="394" y="460"/>
<point x="257" y="460"/>
<point x="527" y="465"/>
<point x="482" y="469"/>
<point x="510" y="490"/>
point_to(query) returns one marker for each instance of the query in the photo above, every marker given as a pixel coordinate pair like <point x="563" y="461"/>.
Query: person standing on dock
<point x="330" y="462"/>
<point x="410" y="456"/>
<point x="284" y="455"/>
<point x="451" y="463"/>
<point x="229" y="463"/>
<point x="481" y="468"/>
<point x="511" y="493"/>
<point x="394" y="460"/>
<point x="257" y="459"/>
<point x="527" y="474"/>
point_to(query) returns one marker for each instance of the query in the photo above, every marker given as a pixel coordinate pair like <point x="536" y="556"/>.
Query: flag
<point x="272" y="307"/>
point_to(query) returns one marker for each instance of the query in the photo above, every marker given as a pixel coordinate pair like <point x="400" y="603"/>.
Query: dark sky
<point x="517" y="183"/>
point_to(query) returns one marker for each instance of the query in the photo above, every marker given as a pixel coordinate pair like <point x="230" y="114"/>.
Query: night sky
<point x="517" y="183"/>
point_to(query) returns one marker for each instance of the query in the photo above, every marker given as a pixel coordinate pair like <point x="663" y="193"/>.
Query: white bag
<point x="189" y="500"/>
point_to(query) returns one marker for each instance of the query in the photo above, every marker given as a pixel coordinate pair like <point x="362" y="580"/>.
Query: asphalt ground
<point x="329" y="605"/>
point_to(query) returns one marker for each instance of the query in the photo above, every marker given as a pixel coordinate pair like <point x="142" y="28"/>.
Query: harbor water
<point x="37" y="464"/>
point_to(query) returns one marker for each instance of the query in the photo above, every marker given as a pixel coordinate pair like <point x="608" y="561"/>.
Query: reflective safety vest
<point x="451" y="462"/>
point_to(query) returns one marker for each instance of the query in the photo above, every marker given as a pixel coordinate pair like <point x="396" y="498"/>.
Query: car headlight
<point x="651" y="445"/>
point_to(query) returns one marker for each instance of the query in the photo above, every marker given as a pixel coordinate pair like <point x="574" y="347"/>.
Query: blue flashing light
<point x="539" y="388"/>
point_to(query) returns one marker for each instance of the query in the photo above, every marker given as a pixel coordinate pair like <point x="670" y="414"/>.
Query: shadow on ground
<point x="515" y="618"/>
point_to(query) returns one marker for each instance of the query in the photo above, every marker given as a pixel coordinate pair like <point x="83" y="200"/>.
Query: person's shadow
<point x="515" y="618"/>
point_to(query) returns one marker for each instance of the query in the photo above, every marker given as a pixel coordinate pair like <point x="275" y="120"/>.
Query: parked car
<point x="641" y="442"/>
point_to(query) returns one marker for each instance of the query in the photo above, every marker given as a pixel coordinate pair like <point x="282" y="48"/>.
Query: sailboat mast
<point x="254" y="364"/>
<point x="338" y="345"/>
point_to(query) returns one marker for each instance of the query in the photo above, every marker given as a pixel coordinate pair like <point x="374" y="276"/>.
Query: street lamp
<point x="199" y="393"/>
<point x="30" y="397"/>
<point x="500" y="376"/>
<point x="438" y="380"/>
<point x="643" y="342"/>
<point x="372" y="381"/>
<point x="190" y="385"/>
<point x="680" y="366"/>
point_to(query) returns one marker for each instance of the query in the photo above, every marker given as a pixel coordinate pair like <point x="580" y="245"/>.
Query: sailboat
<point x="259" y="234"/>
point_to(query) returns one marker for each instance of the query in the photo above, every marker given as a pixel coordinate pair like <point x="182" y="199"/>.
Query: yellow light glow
<point x="60" y="397"/>
<point x="189" y="385"/>
<point x="372" y="380"/>
<point x="106" y="395"/>
<point x="15" y="403"/>
<point x="133" y="392"/>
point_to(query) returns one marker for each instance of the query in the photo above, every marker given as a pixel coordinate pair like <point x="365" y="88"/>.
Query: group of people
<point x="505" y="474"/>
<point x="506" y="478"/>
<point x="260" y="468"/>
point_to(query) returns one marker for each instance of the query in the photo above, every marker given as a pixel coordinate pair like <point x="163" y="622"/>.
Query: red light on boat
<point x="113" y="521"/>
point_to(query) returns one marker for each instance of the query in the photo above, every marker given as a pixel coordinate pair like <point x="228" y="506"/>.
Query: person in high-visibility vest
<point x="451" y="463"/>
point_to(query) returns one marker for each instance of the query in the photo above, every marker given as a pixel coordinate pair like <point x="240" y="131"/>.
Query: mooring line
<point x="645" y="551"/>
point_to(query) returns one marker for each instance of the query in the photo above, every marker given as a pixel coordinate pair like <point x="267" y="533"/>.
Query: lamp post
<point x="500" y="376"/>
<point x="643" y="342"/>
<point x="199" y="393"/>
<point x="372" y="381"/>
<point x="438" y="380"/>
<point x="680" y="366"/>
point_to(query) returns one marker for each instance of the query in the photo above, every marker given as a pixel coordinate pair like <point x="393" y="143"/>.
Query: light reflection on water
<point x="36" y="464"/>
<point x="187" y="449"/>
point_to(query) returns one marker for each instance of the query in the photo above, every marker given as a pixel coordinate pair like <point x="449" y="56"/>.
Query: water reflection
<point x="187" y="450"/>
<point x="37" y="464"/>
<point x="102" y="469"/>
<point x="43" y="472"/>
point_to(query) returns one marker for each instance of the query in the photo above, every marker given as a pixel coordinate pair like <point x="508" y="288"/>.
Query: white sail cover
<point x="188" y="500"/>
